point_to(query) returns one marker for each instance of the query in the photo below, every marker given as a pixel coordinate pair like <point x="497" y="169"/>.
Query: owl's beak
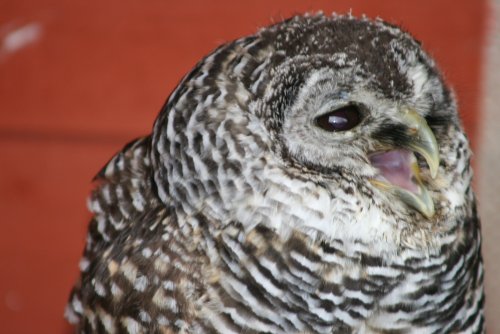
<point x="424" y="142"/>
<point x="399" y="171"/>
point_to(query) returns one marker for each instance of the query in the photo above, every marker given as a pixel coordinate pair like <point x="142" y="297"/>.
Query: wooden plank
<point x="42" y="232"/>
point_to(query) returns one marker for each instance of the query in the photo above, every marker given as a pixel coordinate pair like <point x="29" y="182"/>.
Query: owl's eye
<point x="341" y="119"/>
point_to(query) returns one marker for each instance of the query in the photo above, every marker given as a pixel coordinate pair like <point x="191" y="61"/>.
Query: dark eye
<point x="341" y="119"/>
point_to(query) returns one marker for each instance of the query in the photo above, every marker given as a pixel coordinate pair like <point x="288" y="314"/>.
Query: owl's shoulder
<point x="135" y="268"/>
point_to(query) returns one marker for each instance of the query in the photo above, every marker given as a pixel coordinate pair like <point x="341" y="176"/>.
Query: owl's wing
<point x="117" y="267"/>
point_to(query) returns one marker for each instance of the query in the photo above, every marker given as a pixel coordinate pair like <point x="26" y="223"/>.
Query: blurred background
<point x="79" y="79"/>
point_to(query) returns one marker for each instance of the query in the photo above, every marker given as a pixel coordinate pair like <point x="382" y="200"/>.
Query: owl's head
<point x="330" y="125"/>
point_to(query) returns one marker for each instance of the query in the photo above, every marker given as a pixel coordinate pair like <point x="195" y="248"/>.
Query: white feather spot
<point x="162" y="320"/>
<point x="133" y="327"/>
<point x="99" y="288"/>
<point x="146" y="252"/>
<point x="419" y="77"/>
<point x="169" y="285"/>
<point x="116" y="291"/>
<point x="145" y="317"/>
<point x="107" y="321"/>
<point x="77" y="305"/>
<point x="129" y="271"/>
<point x="70" y="315"/>
<point x="165" y="302"/>
<point x="141" y="283"/>
<point x="84" y="264"/>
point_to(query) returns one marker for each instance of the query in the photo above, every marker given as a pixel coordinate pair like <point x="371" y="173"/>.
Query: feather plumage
<point x="238" y="214"/>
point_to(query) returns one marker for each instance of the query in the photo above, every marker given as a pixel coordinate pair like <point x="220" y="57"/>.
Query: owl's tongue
<point x="396" y="167"/>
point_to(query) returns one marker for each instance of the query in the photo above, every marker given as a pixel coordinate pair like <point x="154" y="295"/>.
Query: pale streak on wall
<point x="488" y="171"/>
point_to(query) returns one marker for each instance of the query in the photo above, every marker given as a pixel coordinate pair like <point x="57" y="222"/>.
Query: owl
<point x="311" y="178"/>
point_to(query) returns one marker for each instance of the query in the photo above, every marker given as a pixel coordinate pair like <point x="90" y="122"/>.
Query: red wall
<point x="96" y="77"/>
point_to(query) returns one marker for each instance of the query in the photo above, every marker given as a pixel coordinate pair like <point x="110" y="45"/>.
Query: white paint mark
<point x="13" y="301"/>
<point x="21" y="37"/>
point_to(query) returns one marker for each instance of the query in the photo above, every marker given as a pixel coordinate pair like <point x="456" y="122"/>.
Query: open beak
<point x="412" y="191"/>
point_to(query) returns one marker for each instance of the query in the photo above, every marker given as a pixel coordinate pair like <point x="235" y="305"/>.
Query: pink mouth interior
<point x="395" y="167"/>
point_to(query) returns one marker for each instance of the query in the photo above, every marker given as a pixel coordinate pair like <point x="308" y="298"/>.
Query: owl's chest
<point x="292" y="287"/>
<point x="364" y="294"/>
